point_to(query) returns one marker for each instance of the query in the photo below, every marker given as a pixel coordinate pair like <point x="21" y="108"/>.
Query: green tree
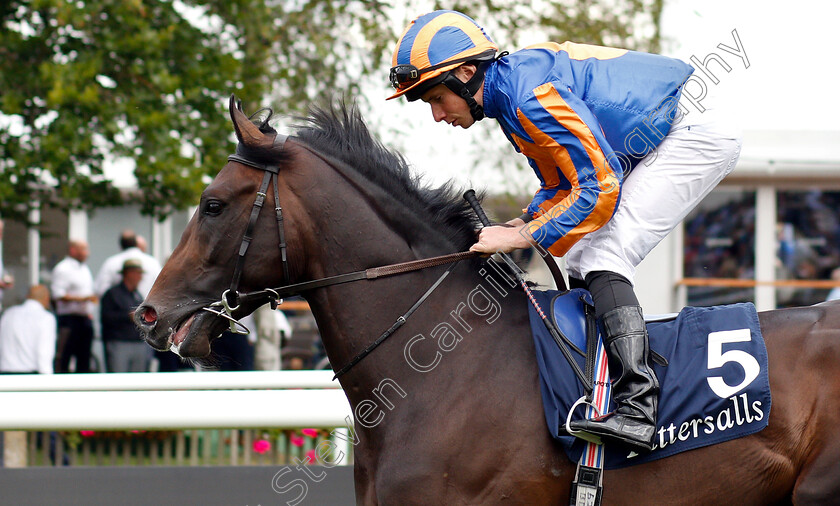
<point x="147" y="80"/>
<point x="631" y="24"/>
<point x="82" y="83"/>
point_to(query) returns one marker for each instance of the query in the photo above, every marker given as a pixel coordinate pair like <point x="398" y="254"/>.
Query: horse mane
<point x="339" y="131"/>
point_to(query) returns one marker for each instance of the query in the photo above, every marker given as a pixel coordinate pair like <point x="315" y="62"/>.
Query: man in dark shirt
<point x="124" y="348"/>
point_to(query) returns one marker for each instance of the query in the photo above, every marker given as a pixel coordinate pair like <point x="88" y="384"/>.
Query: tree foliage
<point x="147" y="80"/>
<point x="631" y="24"/>
<point x="89" y="82"/>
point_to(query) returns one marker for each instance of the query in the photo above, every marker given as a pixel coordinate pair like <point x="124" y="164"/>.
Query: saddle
<point x="713" y="389"/>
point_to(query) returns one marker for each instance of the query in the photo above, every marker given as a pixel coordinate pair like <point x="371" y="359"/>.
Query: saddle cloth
<point x="714" y="388"/>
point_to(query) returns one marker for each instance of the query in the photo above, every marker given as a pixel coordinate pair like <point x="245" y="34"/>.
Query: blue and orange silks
<point x="583" y="116"/>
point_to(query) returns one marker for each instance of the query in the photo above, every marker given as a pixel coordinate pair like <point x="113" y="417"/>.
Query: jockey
<point x="620" y="158"/>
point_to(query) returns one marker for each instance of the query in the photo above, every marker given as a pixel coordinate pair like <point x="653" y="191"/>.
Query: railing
<point x="202" y="418"/>
<point x="751" y="283"/>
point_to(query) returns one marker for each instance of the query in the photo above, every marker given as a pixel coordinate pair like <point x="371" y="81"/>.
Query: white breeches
<point x="698" y="152"/>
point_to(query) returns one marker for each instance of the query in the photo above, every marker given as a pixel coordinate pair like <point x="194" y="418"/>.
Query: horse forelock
<point x="340" y="132"/>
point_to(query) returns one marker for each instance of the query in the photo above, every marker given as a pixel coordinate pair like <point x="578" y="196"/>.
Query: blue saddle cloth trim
<point x="690" y="415"/>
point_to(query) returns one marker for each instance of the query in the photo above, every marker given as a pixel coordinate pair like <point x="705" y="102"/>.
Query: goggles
<point x="405" y="75"/>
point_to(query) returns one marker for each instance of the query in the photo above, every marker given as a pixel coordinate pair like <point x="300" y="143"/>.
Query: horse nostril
<point x="148" y="316"/>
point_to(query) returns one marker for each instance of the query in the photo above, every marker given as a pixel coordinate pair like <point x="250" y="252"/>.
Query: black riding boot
<point x="634" y="385"/>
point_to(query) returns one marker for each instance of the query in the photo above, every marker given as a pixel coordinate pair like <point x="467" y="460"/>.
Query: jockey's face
<point x="449" y="107"/>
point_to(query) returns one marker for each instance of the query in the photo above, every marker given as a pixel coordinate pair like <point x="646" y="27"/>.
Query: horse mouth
<point x="178" y="335"/>
<point x="187" y="332"/>
<point x="191" y="337"/>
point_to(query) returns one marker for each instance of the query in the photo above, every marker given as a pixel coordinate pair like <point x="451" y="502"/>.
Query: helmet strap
<point x="468" y="90"/>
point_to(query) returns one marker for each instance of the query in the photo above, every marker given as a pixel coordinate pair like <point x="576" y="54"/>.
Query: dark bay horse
<point x="448" y="409"/>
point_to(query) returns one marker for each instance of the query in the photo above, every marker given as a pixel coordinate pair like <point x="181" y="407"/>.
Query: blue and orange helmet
<point x="432" y="46"/>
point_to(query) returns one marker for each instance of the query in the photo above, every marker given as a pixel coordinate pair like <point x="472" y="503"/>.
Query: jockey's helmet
<point x="431" y="47"/>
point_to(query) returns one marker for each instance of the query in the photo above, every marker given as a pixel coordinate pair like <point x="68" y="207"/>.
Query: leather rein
<point x="232" y="300"/>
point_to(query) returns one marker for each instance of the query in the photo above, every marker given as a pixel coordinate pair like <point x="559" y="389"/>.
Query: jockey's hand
<point x="500" y="238"/>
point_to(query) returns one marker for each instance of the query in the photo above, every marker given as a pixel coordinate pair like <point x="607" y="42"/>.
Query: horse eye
<point x="213" y="208"/>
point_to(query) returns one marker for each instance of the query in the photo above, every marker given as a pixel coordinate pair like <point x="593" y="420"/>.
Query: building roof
<point x="795" y="156"/>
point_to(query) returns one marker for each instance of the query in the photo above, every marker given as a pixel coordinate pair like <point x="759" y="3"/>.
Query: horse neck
<point x="466" y="305"/>
<point x="358" y="235"/>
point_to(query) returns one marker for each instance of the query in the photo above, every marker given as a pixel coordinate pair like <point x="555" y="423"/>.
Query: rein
<point x="370" y="274"/>
<point x="232" y="300"/>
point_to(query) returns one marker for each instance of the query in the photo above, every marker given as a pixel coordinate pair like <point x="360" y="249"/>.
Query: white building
<point x="782" y="184"/>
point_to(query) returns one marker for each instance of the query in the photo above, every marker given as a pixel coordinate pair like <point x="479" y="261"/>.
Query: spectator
<point x="72" y="287"/>
<point x="125" y="350"/>
<point x="28" y="335"/>
<point x="296" y="359"/>
<point x="235" y="352"/>
<point x="806" y="270"/>
<point x="109" y="273"/>
<point x="142" y="245"/>
<point x="298" y="353"/>
<point x="6" y="280"/>
<point x="272" y="329"/>
<point x="27" y="345"/>
<point x="167" y="362"/>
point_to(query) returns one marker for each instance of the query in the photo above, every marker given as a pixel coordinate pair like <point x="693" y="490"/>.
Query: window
<point x="719" y="248"/>
<point x="808" y="230"/>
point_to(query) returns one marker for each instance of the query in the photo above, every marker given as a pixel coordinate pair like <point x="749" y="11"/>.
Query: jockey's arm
<point x="580" y="186"/>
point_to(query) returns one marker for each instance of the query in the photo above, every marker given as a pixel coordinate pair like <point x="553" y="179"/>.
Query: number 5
<point x="717" y="359"/>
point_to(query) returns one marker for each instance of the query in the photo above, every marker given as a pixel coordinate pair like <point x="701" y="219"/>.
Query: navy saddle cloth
<point x="714" y="388"/>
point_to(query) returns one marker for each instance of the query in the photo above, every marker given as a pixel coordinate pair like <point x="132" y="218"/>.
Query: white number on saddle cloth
<point x="717" y="358"/>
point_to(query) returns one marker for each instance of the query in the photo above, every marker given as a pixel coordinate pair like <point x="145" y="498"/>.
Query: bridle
<point x="232" y="300"/>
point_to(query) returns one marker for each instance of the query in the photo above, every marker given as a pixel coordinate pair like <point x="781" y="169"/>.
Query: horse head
<point x="174" y="314"/>
<point x="348" y="204"/>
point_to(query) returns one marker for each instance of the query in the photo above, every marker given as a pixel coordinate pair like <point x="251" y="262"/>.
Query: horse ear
<point x="248" y="133"/>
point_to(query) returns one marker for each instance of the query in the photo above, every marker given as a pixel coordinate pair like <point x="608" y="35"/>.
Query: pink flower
<point x="87" y="433"/>
<point x="296" y="440"/>
<point x="310" y="432"/>
<point x="311" y="458"/>
<point x="262" y="446"/>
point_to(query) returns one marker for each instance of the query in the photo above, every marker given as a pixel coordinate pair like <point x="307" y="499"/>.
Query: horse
<point x="448" y="408"/>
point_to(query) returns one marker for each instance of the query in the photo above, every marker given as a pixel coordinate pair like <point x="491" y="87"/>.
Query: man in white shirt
<point x="109" y="274"/>
<point x="28" y="335"/>
<point x="72" y="288"/>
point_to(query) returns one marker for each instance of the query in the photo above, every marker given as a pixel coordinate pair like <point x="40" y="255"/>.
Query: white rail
<point x="155" y="401"/>
<point x="167" y="381"/>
